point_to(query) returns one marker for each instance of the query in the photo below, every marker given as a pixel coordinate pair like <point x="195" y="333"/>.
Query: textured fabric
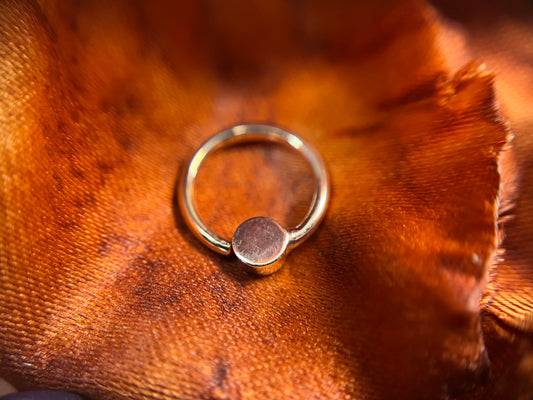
<point x="500" y="34"/>
<point x="41" y="395"/>
<point x="103" y="290"/>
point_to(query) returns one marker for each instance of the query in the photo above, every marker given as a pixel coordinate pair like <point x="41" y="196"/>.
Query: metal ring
<point x="260" y="242"/>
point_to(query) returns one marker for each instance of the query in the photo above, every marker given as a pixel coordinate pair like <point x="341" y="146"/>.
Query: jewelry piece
<point x="259" y="242"/>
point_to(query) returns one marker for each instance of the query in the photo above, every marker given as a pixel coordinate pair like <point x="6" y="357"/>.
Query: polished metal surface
<point x="260" y="242"/>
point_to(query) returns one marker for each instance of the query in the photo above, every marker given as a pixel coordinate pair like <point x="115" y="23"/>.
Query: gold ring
<point x="259" y="242"/>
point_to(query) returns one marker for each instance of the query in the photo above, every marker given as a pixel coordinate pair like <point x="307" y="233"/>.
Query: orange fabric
<point x="103" y="290"/>
<point x="499" y="33"/>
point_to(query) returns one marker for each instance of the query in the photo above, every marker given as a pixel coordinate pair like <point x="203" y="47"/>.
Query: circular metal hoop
<point x="262" y="231"/>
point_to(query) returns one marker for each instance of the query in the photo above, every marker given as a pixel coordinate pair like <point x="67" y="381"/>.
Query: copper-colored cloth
<point x="405" y="291"/>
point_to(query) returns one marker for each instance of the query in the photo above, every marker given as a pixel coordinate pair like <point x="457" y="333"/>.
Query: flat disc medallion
<point x="261" y="243"/>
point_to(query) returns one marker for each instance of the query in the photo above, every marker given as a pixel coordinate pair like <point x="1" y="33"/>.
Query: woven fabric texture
<point x="403" y="292"/>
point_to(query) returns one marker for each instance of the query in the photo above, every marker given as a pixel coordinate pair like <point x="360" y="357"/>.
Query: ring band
<point x="259" y="242"/>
